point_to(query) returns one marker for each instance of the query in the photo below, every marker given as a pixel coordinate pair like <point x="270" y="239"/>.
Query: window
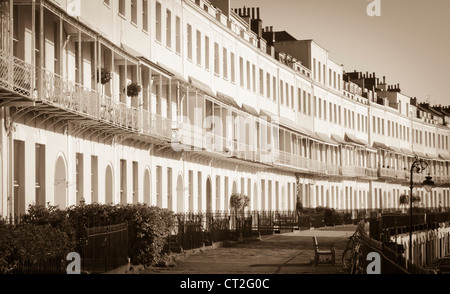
<point x="178" y="34"/>
<point x="241" y="71"/>
<point x="320" y="72"/>
<point x="253" y="78"/>
<point x="232" y="69"/>
<point x="207" y="52"/>
<point x="145" y="15"/>
<point x="314" y="68"/>
<point x="345" y="117"/>
<point x="331" y="112"/>
<point x="339" y="111"/>
<point x="274" y="88"/>
<point x="320" y="108"/>
<point x="79" y="177"/>
<point x="225" y="63"/>
<point x="261" y="81"/>
<point x="40" y="174"/>
<point x="123" y="181"/>
<point x="199" y="48"/>
<point x="189" y="41"/>
<point x="324" y="109"/>
<point x="168" y="28"/>
<point x="268" y="78"/>
<point x="248" y="76"/>
<point x="292" y="97"/>
<point x="334" y="80"/>
<point x="309" y="104"/>
<point x="324" y="74"/>
<point x="122" y="7"/>
<point x="299" y="107"/>
<point x="135" y="182"/>
<point x="133" y="12"/>
<point x="94" y="179"/>
<point x="389" y="128"/>
<point x="281" y="92"/>
<point x="216" y="59"/>
<point x="158" y="21"/>
<point x="329" y="77"/>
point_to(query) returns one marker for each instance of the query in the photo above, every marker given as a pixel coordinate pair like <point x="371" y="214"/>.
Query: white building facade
<point x="224" y="106"/>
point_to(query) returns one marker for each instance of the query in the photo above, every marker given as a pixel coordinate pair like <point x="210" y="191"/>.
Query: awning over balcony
<point x="266" y="115"/>
<point x="444" y="156"/>
<point x="421" y="155"/>
<point x="295" y="127"/>
<point x="326" y="139"/>
<point x="228" y="100"/>
<point x="173" y="73"/>
<point x="155" y="67"/>
<point x="338" y="139"/>
<point x="380" y="145"/>
<point x="408" y="152"/>
<point x="201" y="86"/>
<point x="250" y="110"/>
<point x="396" y="149"/>
<point x="433" y="156"/>
<point x="352" y="139"/>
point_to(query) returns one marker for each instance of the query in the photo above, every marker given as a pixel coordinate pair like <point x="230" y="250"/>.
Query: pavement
<point x="286" y="253"/>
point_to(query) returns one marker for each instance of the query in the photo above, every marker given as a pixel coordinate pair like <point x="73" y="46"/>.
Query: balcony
<point x="371" y="173"/>
<point x="16" y="77"/>
<point x="386" y="173"/>
<point x="292" y="160"/>
<point x="349" y="171"/>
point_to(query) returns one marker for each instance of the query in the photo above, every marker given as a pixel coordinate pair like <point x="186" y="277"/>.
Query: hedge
<point x="148" y="227"/>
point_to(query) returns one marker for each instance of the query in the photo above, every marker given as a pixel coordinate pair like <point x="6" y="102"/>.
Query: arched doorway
<point x="147" y="187"/>
<point x="208" y="195"/>
<point x="180" y="195"/>
<point x="60" y="184"/>
<point x="109" y="185"/>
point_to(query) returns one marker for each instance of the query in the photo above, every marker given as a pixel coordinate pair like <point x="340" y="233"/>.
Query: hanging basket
<point x="133" y="89"/>
<point x="103" y="76"/>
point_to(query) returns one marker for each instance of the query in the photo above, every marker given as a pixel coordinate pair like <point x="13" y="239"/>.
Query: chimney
<point x="384" y="80"/>
<point x="257" y="13"/>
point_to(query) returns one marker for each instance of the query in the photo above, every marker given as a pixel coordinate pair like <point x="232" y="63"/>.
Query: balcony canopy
<point x="249" y="109"/>
<point x="444" y="156"/>
<point x="352" y="139"/>
<point x="228" y="100"/>
<point x="421" y="155"/>
<point x="408" y="152"/>
<point x="380" y="145"/>
<point x="326" y="139"/>
<point x="201" y="86"/>
<point x="338" y="139"/>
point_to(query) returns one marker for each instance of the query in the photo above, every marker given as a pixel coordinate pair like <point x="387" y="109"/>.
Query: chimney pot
<point x="253" y="12"/>
<point x="257" y="13"/>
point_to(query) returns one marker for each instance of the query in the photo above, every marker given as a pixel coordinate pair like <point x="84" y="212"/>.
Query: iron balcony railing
<point x="17" y="75"/>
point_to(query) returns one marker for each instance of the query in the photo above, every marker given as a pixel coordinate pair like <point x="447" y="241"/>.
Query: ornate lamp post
<point x="418" y="166"/>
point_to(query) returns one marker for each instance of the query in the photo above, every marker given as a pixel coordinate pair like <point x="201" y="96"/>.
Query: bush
<point x="31" y="244"/>
<point x="148" y="227"/>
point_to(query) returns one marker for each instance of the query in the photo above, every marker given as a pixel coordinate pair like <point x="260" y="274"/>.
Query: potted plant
<point x="104" y="76"/>
<point x="133" y="89"/>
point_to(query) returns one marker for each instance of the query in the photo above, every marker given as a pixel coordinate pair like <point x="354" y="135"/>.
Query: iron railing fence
<point x="105" y="248"/>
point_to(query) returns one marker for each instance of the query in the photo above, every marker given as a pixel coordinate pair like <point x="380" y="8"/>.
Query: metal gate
<point x="106" y="248"/>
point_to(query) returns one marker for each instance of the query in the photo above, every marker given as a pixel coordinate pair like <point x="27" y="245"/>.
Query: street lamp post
<point x="418" y="166"/>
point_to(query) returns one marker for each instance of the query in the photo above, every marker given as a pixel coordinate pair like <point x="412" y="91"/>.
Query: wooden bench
<point x="318" y="252"/>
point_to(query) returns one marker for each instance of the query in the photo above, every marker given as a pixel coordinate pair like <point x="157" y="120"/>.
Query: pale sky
<point x="409" y="43"/>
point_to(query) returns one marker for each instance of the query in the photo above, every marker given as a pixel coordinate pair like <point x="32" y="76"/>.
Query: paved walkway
<point x="289" y="253"/>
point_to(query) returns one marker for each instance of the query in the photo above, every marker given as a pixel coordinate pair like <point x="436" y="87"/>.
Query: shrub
<point x="31" y="244"/>
<point x="133" y="89"/>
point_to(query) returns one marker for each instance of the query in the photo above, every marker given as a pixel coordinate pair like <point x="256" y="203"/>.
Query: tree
<point x="238" y="202"/>
<point x="404" y="200"/>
